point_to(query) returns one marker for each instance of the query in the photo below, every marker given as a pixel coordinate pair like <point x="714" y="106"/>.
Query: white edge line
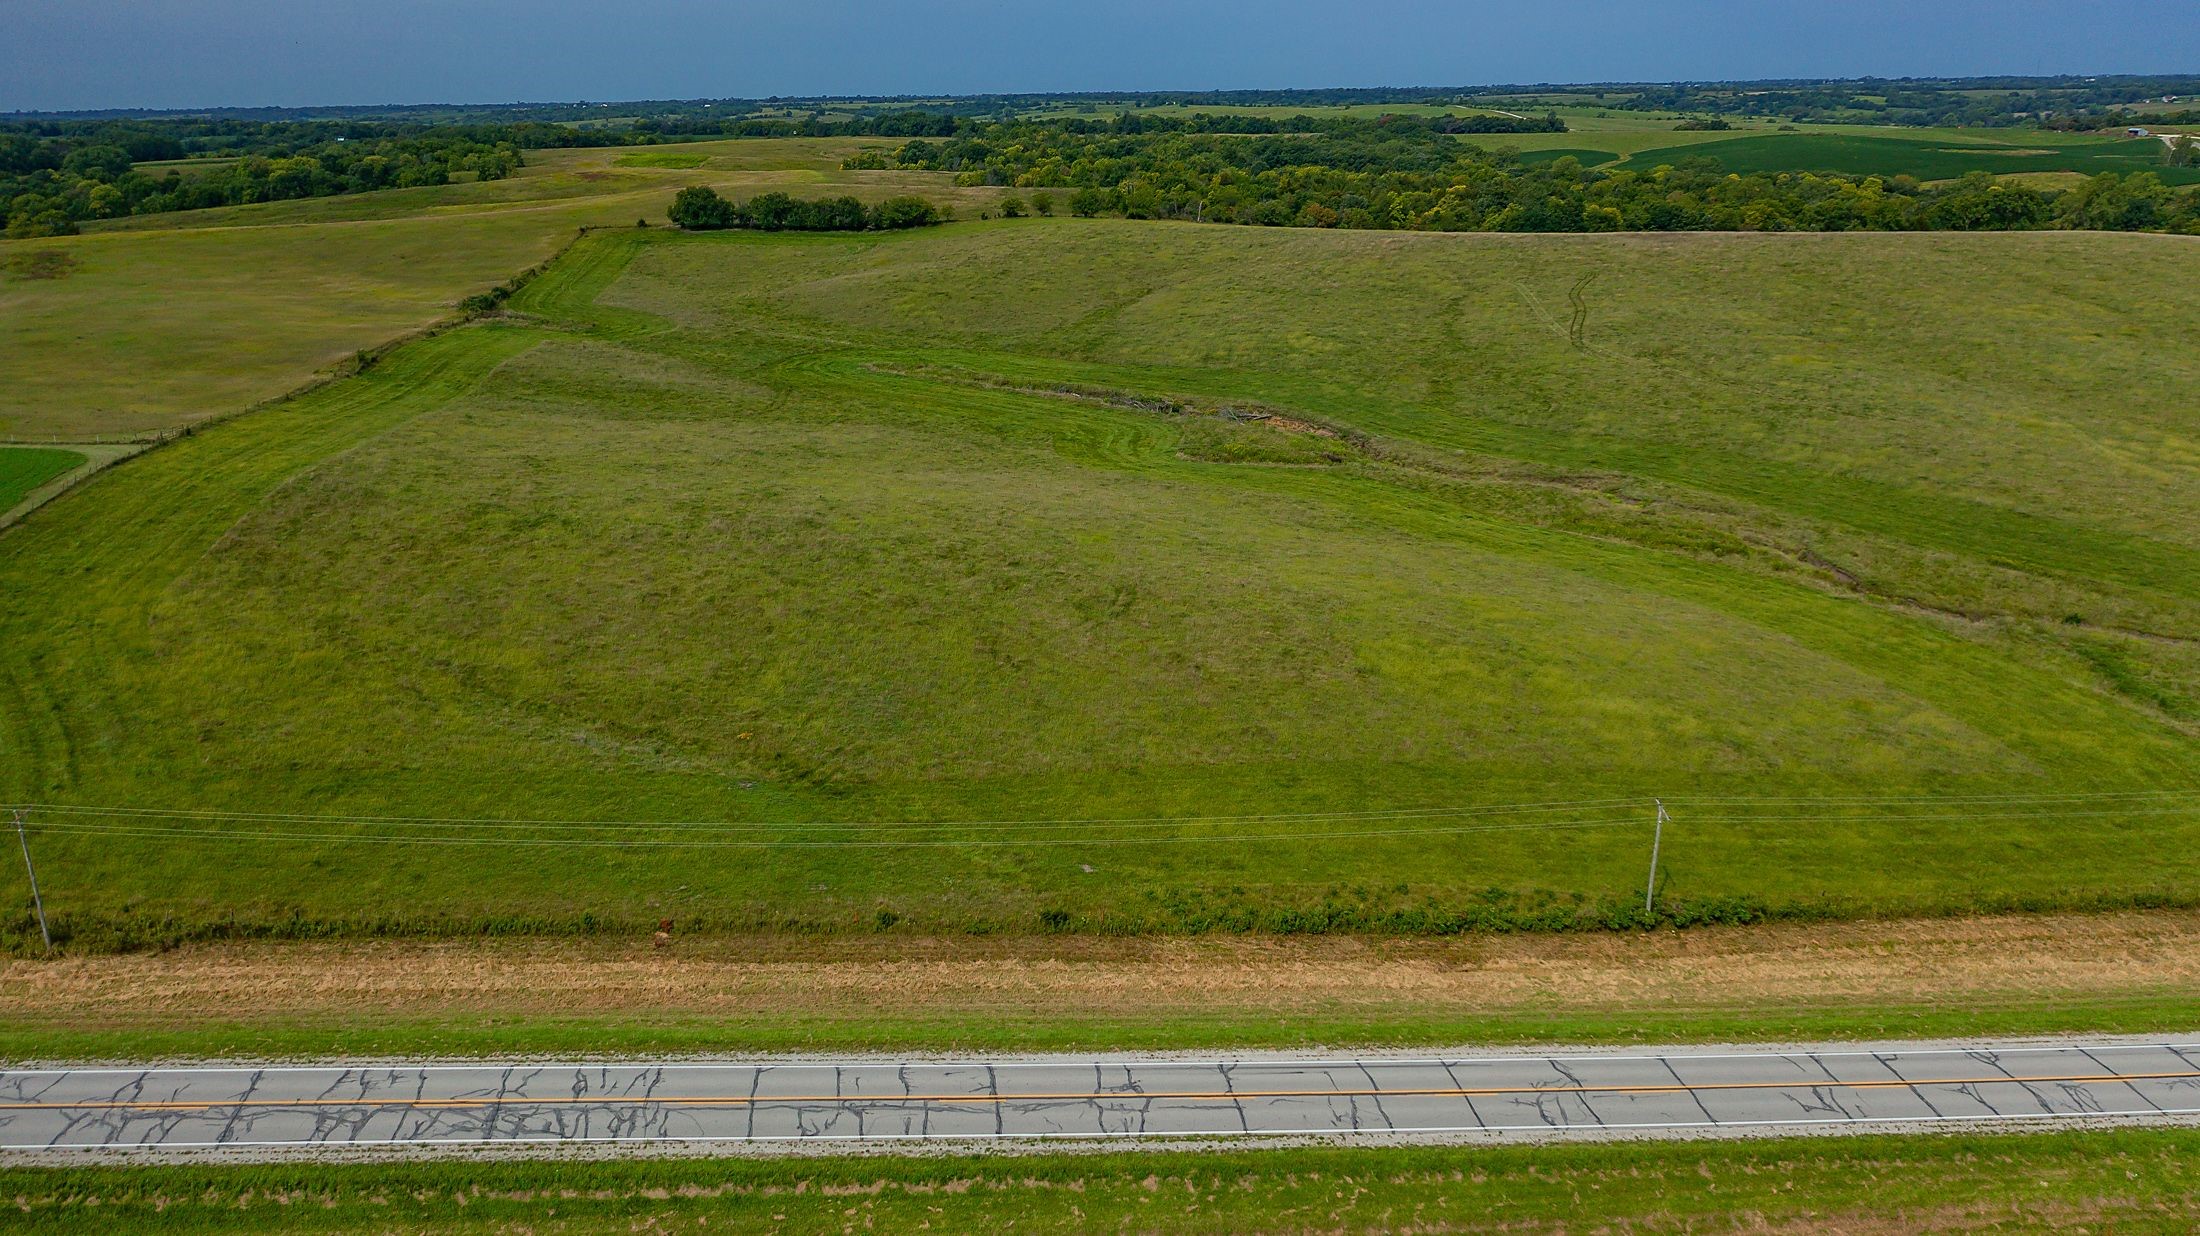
<point x="1492" y="1132"/>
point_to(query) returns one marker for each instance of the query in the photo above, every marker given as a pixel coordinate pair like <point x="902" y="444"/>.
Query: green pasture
<point x="2126" y="1181"/>
<point x="25" y="468"/>
<point x="820" y="532"/>
<point x="153" y="330"/>
<point x="161" y="321"/>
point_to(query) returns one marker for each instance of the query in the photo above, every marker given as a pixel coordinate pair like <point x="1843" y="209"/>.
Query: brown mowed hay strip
<point x="1887" y="960"/>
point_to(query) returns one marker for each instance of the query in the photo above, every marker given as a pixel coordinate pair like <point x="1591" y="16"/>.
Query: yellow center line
<point x="1189" y="1096"/>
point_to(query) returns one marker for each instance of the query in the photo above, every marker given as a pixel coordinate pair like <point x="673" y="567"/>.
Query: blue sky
<point x="74" y="54"/>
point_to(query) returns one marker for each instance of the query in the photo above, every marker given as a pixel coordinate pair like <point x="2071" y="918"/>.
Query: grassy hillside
<point x="824" y="530"/>
<point x="889" y="528"/>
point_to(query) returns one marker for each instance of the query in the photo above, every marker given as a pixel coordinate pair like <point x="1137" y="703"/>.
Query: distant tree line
<point x="2075" y="103"/>
<point x="919" y="123"/>
<point x="1919" y="100"/>
<point x="1390" y="176"/>
<point x="56" y="175"/>
<point x="699" y="208"/>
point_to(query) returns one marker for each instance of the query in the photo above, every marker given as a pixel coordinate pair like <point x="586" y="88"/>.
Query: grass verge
<point x="2128" y="1181"/>
<point x="892" y="991"/>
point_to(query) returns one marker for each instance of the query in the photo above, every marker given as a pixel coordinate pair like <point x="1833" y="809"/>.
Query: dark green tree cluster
<point x="50" y="183"/>
<point x="1411" y="177"/>
<point x="700" y="208"/>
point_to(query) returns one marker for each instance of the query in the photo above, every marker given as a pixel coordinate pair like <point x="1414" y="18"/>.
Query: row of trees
<point x="1383" y="178"/>
<point x="699" y="208"/>
<point x="50" y="184"/>
<point x="2067" y="102"/>
<point x="921" y="123"/>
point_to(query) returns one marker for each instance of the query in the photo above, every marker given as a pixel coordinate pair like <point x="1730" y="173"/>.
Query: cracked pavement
<point x="1673" y="1092"/>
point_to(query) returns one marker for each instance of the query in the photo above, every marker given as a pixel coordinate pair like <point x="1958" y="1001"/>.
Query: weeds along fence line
<point x="82" y="935"/>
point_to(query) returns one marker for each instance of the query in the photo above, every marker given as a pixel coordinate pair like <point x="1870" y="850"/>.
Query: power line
<point x="1158" y="822"/>
<point x="1941" y="798"/>
<point x="1950" y="816"/>
<point x="2051" y="812"/>
<point x="1403" y="813"/>
<point x="200" y="834"/>
<point x="103" y="828"/>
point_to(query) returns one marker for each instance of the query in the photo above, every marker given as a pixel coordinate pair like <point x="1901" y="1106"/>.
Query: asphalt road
<point x="1677" y="1092"/>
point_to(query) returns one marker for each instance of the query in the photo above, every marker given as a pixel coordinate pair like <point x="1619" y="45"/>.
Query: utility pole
<point x="1657" y="837"/>
<point x="23" y="839"/>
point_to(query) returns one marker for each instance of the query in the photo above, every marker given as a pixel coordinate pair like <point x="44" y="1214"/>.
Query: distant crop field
<point x="1927" y="158"/>
<point x="1064" y="574"/>
<point x="23" y="469"/>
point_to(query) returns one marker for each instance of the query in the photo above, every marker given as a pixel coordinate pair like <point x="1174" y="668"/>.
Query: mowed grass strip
<point x="714" y="544"/>
<point x="2120" y="1180"/>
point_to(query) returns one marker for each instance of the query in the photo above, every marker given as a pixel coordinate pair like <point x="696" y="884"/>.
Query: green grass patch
<point x="25" y="468"/>
<point x="2120" y="1180"/>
